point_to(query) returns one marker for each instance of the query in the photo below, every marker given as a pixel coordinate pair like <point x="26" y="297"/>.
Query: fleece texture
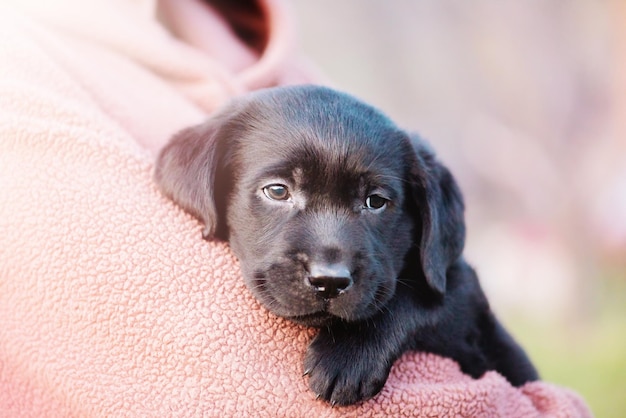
<point x="111" y="303"/>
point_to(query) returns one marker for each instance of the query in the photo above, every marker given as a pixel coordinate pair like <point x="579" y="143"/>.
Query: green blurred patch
<point x="585" y="354"/>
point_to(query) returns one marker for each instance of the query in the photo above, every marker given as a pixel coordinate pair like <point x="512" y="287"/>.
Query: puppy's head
<point x="323" y="199"/>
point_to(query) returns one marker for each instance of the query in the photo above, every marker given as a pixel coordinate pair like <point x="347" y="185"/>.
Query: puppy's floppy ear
<point x="186" y="173"/>
<point x="439" y="211"/>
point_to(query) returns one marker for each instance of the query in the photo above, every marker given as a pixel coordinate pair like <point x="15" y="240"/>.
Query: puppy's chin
<point x="317" y="319"/>
<point x="311" y="312"/>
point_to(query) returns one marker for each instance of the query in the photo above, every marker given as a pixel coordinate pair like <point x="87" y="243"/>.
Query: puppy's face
<point x="320" y="196"/>
<point x="318" y="218"/>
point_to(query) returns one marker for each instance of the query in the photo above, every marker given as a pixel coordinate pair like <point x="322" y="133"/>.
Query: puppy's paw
<point x="344" y="372"/>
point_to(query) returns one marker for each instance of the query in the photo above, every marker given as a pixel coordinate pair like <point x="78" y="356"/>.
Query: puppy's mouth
<point x="313" y="312"/>
<point x="287" y="296"/>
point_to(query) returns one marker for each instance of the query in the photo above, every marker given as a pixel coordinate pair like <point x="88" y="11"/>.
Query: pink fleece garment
<point x="111" y="304"/>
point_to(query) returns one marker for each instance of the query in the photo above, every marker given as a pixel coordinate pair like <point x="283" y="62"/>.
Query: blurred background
<point x="526" y="103"/>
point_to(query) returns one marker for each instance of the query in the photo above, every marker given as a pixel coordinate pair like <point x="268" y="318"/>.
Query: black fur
<point x="361" y="234"/>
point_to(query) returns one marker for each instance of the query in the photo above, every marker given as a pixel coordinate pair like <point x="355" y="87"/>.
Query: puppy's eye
<point x="277" y="192"/>
<point x="375" y="202"/>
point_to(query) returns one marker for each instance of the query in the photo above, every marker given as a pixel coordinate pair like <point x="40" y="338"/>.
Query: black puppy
<point x="345" y="222"/>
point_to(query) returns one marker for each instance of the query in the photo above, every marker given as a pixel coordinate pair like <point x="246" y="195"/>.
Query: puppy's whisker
<point x="406" y="283"/>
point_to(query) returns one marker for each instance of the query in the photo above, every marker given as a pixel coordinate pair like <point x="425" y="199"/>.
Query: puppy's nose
<point x="329" y="280"/>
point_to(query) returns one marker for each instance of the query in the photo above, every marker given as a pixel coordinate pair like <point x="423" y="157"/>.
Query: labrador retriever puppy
<point x="345" y="222"/>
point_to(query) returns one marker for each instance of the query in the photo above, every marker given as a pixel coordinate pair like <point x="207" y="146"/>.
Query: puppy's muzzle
<point x="329" y="280"/>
